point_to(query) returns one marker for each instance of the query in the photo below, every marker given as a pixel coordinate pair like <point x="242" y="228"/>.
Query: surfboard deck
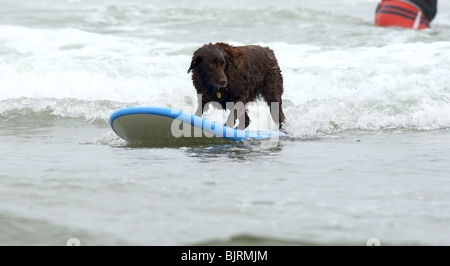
<point x="164" y="127"/>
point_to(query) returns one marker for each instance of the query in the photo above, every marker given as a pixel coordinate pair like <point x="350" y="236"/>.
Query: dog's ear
<point x="228" y="60"/>
<point x="227" y="51"/>
<point x="195" y="61"/>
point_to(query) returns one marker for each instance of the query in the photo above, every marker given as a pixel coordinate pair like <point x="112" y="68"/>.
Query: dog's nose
<point x="222" y="83"/>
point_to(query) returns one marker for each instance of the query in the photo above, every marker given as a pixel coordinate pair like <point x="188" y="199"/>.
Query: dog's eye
<point x="212" y="65"/>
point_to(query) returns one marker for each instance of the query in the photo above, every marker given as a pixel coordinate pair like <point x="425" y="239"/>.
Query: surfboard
<point x="165" y="127"/>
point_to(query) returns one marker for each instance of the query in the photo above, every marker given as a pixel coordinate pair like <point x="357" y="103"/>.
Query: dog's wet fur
<point x="237" y="74"/>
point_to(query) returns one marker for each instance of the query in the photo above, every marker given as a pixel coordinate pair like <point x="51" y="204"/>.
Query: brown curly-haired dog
<point x="237" y="75"/>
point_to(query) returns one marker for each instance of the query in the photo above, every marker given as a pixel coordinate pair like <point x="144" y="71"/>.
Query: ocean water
<point x="368" y="121"/>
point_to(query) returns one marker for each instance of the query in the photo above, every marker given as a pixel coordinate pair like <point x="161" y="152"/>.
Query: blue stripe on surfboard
<point x="207" y="125"/>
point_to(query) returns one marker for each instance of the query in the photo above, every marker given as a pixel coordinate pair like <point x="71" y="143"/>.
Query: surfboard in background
<point x="164" y="127"/>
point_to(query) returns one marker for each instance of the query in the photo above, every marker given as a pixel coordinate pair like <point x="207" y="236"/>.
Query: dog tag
<point x="219" y="95"/>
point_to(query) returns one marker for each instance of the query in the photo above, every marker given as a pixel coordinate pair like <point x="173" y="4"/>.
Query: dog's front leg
<point x="199" y="111"/>
<point x="244" y="120"/>
<point x="237" y="110"/>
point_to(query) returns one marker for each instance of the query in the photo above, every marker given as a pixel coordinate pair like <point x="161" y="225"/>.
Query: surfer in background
<point x="415" y="14"/>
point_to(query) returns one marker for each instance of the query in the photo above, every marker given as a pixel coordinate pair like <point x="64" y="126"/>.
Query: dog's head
<point x="210" y="63"/>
